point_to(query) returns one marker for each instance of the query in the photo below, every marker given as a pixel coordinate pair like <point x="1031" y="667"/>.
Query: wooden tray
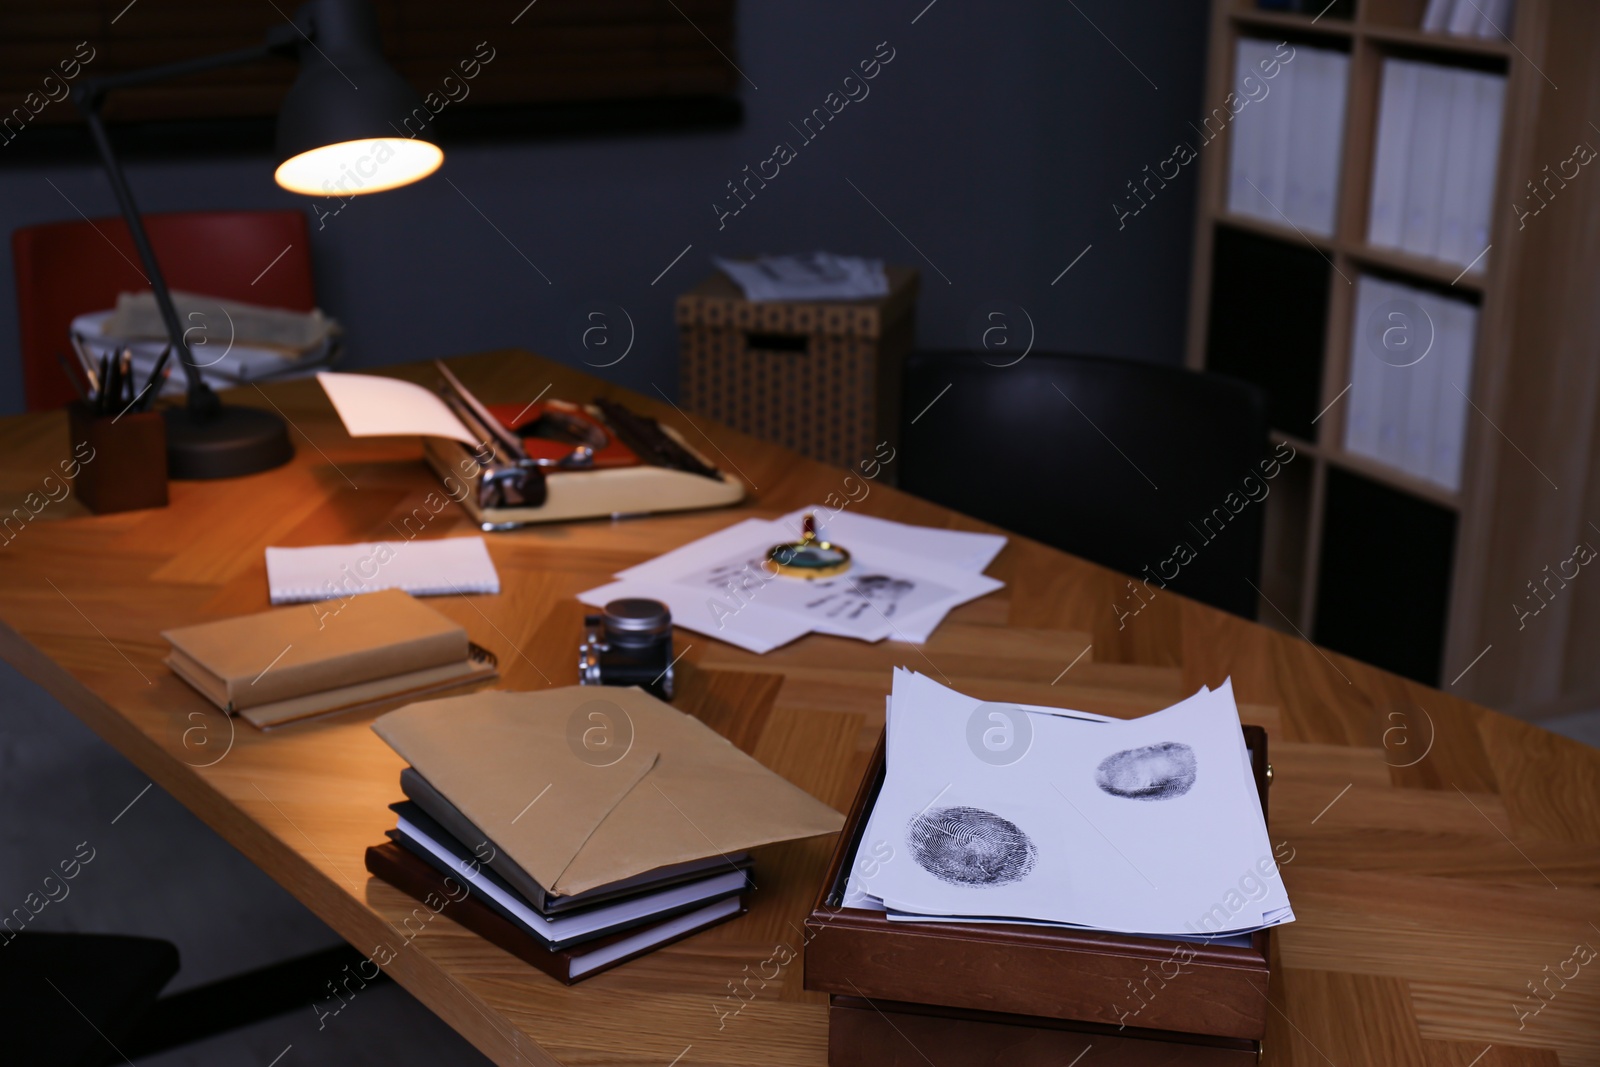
<point x="1044" y="975"/>
<point x="882" y="1033"/>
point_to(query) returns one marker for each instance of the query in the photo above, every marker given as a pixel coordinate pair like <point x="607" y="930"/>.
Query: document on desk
<point x="421" y="568"/>
<point x="1143" y="826"/>
<point x="719" y="586"/>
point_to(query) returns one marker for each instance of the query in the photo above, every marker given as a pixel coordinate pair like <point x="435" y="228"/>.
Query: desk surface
<point x="1441" y="857"/>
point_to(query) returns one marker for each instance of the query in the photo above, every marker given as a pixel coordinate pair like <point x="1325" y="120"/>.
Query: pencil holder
<point x="122" y="461"/>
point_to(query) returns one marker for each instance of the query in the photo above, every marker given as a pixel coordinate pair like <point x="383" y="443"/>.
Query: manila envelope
<point x="703" y="798"/>
<point x="699" y="797"/>
<point x="516" y="765"/>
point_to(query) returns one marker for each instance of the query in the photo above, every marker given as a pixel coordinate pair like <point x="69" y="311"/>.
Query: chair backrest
<point x="64" y="269"/>
<point x="1115" y="460"/>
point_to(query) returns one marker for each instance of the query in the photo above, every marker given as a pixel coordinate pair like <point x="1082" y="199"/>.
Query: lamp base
<point x="227" y="443"/>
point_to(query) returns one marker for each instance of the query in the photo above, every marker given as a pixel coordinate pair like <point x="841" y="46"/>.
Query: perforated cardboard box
<point x="822" y="378"/>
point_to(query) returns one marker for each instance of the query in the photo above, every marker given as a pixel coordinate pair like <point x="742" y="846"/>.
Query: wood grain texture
<point x="1439" y="861"/>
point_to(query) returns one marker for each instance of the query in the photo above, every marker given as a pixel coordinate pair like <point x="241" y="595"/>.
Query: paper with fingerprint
<point x="970" y="846"/>
<point x="885" y="593"/>
<point x="1138" y="825"/>
<point x="1152" y="772"/>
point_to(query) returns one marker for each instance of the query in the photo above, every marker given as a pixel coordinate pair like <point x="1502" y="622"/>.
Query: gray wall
<point x="997" y="140"/>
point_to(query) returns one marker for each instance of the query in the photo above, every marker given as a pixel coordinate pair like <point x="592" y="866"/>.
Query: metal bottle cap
<point x="636" y="618"/>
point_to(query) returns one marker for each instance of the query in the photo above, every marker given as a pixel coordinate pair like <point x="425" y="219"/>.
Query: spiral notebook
<point x="421" y="568"/>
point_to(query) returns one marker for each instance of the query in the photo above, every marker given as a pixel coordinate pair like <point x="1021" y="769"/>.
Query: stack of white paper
<point x="1011" y="813"/>
<point x="421" y="568"/>
<point x="1469" y="18"/>
<point x="223" y="361"/>
<point x="1411" y="356"/>
<point x="902" y="581"/>
<point x="818" y="276"/>
<point x="1288" y="135"/>
<point x="1433" y="171"/>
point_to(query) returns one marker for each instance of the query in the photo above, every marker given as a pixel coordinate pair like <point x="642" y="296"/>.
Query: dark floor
<point x="158" y="871"/>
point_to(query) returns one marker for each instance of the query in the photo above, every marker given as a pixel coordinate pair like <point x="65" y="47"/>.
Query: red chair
<point x="67" y="268"/>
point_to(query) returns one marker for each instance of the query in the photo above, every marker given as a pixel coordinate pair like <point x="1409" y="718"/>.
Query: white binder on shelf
<point x="1458" y="329"/>
<point x="1491" y="95"/>
<point x="1455" y="200"/>
<point x="1395" y="110"/>
<point x="1361" y="411"/>
<point x="1394" y="382"/>
<point x="1333" y="93"/>
<point x="1419" y="230"/>
<point x="1247" y="135"/>
<point x="1424" y="377"/>
<point x="1279" y="108"/>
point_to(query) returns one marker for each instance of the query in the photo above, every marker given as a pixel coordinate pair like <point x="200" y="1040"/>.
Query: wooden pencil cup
<point x="122" y="461"/>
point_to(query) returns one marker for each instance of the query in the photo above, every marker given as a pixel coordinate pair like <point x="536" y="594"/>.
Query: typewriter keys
<point x="808" y="557"/>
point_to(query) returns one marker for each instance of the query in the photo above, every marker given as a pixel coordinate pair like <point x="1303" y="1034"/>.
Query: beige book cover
<point x="675" y="791"/>
<point x="253" y="660"/>
<point x="409" y="686"/>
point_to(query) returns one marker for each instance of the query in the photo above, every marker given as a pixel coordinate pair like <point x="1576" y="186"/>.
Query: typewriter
<point x="553" y="461"/>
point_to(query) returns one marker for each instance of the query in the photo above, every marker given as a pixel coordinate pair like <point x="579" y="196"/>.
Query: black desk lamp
<point x="339" y="134"/>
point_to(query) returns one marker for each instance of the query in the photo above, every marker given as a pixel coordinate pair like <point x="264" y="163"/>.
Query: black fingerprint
<point x="969" y="846"/>
<point x="1154" y="772"/>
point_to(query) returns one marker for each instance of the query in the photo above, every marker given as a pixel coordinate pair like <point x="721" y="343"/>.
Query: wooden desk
<point x="1440" y="856"/>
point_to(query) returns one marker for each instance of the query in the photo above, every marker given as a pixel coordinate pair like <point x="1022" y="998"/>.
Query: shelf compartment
<point x="1269" y="309"/>
<point x="1384" y="578"/>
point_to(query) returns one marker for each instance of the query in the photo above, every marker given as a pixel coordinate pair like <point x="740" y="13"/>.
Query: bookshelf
<point x="1364" y="557"/>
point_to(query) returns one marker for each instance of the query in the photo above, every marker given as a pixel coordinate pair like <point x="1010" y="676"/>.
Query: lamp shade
<point x="350" y="124"/>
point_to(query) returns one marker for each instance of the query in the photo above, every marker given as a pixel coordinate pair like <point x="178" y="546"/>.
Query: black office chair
<point x="1115" y="460"/>
<point x="75" y="999"/>
<point x="92" y="1000"/>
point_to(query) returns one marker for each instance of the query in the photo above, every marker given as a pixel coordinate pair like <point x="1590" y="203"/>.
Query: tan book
<point x="585" y="786"/>
<point x="480" y="666"/>
<point x="287" y="653"/>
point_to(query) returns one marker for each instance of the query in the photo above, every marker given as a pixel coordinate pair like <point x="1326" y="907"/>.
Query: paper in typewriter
<point x="1149" y="825"/>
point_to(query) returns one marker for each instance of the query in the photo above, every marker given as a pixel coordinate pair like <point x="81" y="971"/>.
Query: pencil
<point x="156" y="371"/>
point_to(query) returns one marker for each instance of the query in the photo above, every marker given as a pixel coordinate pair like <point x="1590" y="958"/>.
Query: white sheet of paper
<point x="752" y="628"/>
<point x="867" y="602"/>
<point x="370" y="405"/>
<point x="421" y="568"/>
<point x="1176" y="853"/>
<point x="872" y="851"/>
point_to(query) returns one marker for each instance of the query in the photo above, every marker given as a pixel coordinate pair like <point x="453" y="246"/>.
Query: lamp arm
<point x="89" y="96"/>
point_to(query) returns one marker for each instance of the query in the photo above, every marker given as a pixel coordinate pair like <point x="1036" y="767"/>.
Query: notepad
<point x="421" y="568"/>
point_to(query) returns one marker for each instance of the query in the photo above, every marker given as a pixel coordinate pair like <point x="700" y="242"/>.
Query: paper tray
<point x="1045" y="973"/>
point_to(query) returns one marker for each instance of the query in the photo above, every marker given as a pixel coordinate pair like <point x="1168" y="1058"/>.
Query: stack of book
<point x="1410" y="376"/>
<point x="355" y="651"/>
<point x="1468" y="18"/>
<point x="576" y="828"/>
<point x="1434" y="169"/>
<point x="1287" y="134"/>
<point x="567" y="937"/>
